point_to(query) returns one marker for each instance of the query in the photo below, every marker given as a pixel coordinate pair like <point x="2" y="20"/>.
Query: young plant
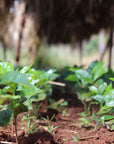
<point x="50" y="128"/>
<point x="92" y="89"/>
<point x="16" y="88"/>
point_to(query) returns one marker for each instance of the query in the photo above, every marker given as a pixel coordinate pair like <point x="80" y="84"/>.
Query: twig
<point x="57" y="83"/>
<point x="4" y="142"/>
<point x="71" y="131"/>
<point x="85" y="138"/>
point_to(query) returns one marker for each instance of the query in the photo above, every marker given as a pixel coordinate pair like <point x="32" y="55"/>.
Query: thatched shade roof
<point x="60" y="20"/>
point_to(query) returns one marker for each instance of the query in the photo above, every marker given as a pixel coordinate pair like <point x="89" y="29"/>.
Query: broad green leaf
<point x="93" y="89"/>
<point x="109" y="87"/>
<point x="6" y="117"/>
<point x="10" y="96"/>
<point x="92" y="65"/>
<point x="25" y="69"/>
<point x="106" y="117"/>
<point x="11" y="106"/>
<point x="14" y="77"/>
<point x="33" y="71"/>
<point x="82" y="73"/>
<point x="109" y="99"/>
<point x="98" y="82"/>
<point x="109" y="103"/>
<point x="31" y="90"/>
<point x="98" y="73"/>
<point x="111" y="79"/>
<point x="74" y="69"/>
<point x="40" y="97"/>
<point x="72" y="78"/>
<point x="10" y="88"/>
<point x="102" y="88"/>
<point x="97" y="66"/>
<point x="99" y="98"/>
<point x="84" y="76"/>
<point x="5" y="67"/>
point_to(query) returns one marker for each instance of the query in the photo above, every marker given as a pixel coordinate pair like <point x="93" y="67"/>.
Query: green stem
<point x="16" y="131"/>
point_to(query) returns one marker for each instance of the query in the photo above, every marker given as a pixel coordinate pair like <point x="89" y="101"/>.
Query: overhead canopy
<point x="61" y="20"/>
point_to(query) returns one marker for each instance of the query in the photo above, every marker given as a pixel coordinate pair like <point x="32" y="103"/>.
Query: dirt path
<point x="68" y="130"/>
<point x="65" y="129"/>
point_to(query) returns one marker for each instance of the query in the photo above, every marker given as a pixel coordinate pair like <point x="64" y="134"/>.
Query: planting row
<point x="23" y="89"/>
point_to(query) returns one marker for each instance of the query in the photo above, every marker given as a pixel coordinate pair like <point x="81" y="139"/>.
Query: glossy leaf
<point x="5" y="67"/>
<point x="40" y="97"/>
<point x="109" y="88"/>
<point x="109" y="99"/>
<point x="111" y="79"/>
<point x="110" y="103"/>
<point x="84" y="76"/>
<point x="14" y="77"/>
<point x="99" y="98"/>
<point x="102" y="88"/>
<point x="98" y="73"/>
<point x="93" y="89"/>
<point x="71" y="78"/>
<point x="97" y="66"/>
<point x="10" y="96"/>
<point x="6" y="117"/>
<point x="92" y="65"/>
<point x="31" y="90"/>
<point x="106" y="117"/>
<point x="25" y="69"/>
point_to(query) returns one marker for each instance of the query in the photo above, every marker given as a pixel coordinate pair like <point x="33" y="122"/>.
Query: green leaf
<point x="31" y="90"/>
<point x="51" y="74"/>
<point x="102" y="88"/>
<point x="84" y="76"/>
<point x="97" y="66"/>
<point x="106" y="117"/>
<point x="72" y="78"/>
<point x="10" y="96"/>
<point x="111" y="79"/>
<point x="25" y="69"/>
<point x="109" y="88"/>
<point x="109" y="103"/>
<point x="14" y="77"/>
<point x="109" y="99"/>
<point x="11" y="106"/>
<point x="98" y="82"/>
<point x="93" y="89"/>
<point x="40" y="97"/>
<point x="99" y="98"/>
<point x="5" y="67"/>
<point x="98" y="73"/>
<point x="6" y="117"/>
<point x="92" y="65"/>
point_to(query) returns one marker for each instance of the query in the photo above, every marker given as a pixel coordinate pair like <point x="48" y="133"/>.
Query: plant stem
<point x="16" y="131"/>
<point x="12" y="129"/>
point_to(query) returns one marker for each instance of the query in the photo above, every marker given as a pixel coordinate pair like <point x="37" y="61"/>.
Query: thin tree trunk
<point x="17" y="49"/>
<point x="110" y="46"/>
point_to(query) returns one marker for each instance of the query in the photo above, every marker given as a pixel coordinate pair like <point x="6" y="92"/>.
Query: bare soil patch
<point x="68" y="127"/>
